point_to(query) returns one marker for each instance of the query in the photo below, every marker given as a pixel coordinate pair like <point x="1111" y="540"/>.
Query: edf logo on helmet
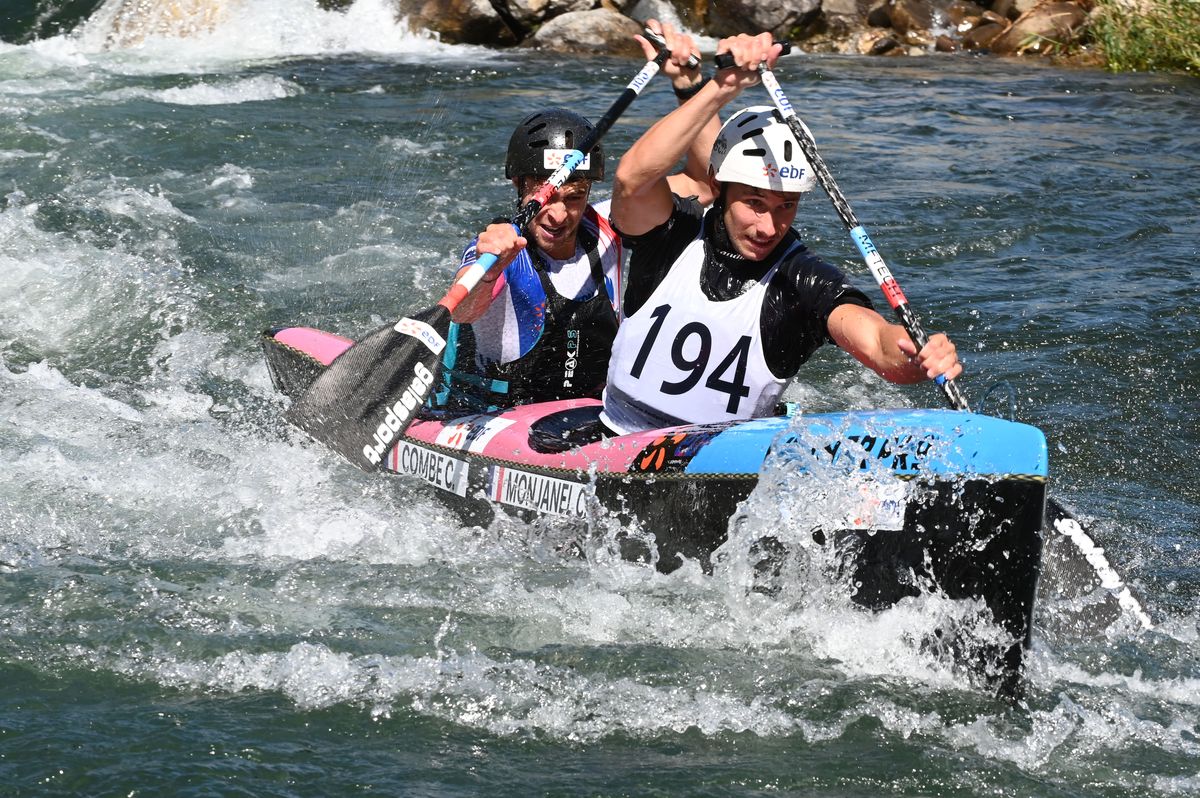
<point x="788" y="172"/>
<point x="756" y="148"/>
<point x="553" y="159"/>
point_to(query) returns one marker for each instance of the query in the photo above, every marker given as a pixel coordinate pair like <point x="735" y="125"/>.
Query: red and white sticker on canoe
<point x="472" y="433"/>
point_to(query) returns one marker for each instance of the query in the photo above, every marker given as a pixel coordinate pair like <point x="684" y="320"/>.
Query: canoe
<point x="915" y="500"/>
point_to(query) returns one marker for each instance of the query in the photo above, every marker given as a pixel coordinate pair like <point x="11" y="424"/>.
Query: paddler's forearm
<point x="641" y="193"/>
<point x="696" y="164"/>
<point x="693" y="180"/>
<point x="684" y="68"/>
<point x="678" y="133"/>
<point x="885" y="348"/>
<point x="476" y="303"/>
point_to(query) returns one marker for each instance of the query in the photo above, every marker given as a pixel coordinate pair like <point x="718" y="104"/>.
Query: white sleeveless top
<point x="684" y="359"/>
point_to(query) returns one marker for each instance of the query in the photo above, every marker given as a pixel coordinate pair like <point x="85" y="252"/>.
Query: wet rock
<point x="1025" y="6"/>
<point x="1007" y="9"/>
<point x="134" y="20"/>
<point x="944" y="44"/>
<point x="531" y="13"/>
<point x="780" y="17"/>
<point x="846" y="26"/>
<point x="911" y="15"/>
<point x="842" y="8"/>
<point x="1044" y="29"/>
<point x="967" y="24"/>
<point x="880" y="15"/>
<point x="960" y="11"/>
<point x="625" y="7"/>
<point x="982" y="36"/>
<point x="599" y="32"/>
<point x="662" y="10"/>
<point x="922" y="40"/>
<point x="878" y="41"/>
<point x="843" y="18"/>
<point x="459" y="21"/>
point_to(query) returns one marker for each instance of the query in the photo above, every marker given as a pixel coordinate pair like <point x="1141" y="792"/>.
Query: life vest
<point x="547" y="346"/>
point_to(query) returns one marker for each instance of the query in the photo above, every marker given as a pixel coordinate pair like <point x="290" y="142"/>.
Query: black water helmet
<point x="541" y="141"/>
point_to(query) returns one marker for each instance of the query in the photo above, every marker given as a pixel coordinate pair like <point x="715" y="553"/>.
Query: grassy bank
<point x="1159" y="35"/>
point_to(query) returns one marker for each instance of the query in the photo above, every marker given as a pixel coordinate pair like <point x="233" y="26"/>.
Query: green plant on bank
<point x="1148" y="35"/>
<point x="1043" y="45"/>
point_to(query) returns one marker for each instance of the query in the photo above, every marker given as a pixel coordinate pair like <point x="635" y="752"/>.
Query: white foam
<point x="502" y="697"/>
<point x="258" y="88"/>
<point x="138" y="204"/>
<point x="209" y="33"/>
<point x="1185" y="691"/>
<point x="1071" y="733"/>
<point x="136" y="37"/>
<point x="1177" y="785"/>
<point x="164" y="461"/>
<point x="51" y="285"/>
<point x="232" y="177"/>
<point x="17" y="155"/>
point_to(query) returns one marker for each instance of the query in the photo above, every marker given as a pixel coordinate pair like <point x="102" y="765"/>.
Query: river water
<point x="196" y="600"/>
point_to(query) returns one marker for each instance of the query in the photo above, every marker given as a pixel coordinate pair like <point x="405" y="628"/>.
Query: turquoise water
<point x="195" y="600"/>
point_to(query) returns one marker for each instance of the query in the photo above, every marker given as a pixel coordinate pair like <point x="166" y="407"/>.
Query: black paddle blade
<point x="366" y="399"/>
<point x="1077" y="567"/>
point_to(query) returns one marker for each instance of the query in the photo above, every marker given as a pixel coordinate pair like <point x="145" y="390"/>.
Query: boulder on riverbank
<point x="596" y="32"/>
<point x="869" y="27"/>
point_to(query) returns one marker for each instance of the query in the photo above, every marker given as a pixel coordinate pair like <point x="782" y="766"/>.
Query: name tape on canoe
<point x="440" y="470"/>
<point x="537" y="492"/>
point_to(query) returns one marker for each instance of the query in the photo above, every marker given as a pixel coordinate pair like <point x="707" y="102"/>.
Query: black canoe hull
<point x="975" y="538"/>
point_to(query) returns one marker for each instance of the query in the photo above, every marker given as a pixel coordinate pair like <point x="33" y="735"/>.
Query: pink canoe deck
<point x="501" y="436"/>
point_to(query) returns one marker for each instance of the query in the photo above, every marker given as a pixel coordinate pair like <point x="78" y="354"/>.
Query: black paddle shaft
<point x="530" y="209"/>
<point x="903" y="310"/>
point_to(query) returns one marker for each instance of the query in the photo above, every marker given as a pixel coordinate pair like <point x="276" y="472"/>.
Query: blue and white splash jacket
<point x="548" y="332"/>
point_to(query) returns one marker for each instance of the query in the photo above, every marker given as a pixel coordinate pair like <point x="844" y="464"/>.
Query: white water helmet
<point x="757" y="148"/>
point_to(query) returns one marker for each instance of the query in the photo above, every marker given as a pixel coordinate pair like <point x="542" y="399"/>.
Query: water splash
<point x="779" y="544"/>
<point x="195" y="35"/>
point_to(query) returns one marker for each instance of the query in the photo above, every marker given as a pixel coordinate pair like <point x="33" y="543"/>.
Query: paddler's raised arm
<point x="683" y="69"/>
<point x="641" y="198"/>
